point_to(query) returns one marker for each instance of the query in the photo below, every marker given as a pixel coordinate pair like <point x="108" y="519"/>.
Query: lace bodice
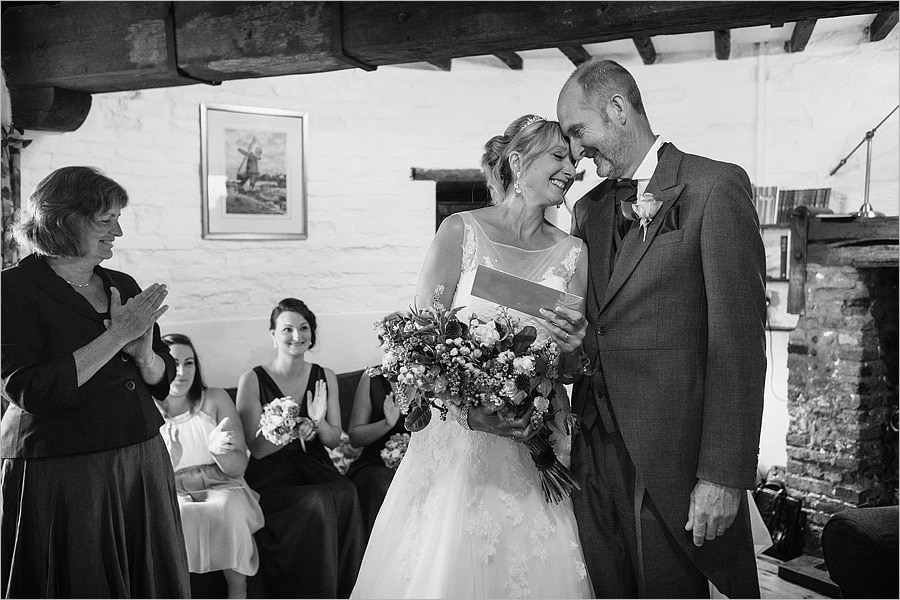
<point x="553" y="267"/>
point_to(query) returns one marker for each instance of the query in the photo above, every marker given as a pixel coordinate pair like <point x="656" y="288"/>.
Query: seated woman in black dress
<point x="313" y="539"/>
<point x="374" y="420"/>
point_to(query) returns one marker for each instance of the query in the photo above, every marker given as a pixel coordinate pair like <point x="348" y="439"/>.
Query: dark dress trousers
<point x="677" y="331"/>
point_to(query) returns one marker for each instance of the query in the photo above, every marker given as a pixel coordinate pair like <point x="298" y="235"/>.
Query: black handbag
<point x="784" y="518"/>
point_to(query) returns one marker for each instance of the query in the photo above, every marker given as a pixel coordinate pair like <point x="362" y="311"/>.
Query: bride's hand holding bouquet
<point x="491" y="374"/>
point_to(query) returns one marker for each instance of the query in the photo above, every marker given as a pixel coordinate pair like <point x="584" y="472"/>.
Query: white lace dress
<point x="465" y="516"/>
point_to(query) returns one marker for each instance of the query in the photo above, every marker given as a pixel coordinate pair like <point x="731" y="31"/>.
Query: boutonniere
<point x="644" y="208"/>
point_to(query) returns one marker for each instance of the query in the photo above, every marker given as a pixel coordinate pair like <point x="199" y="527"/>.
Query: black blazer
<point x="43" y="322"/>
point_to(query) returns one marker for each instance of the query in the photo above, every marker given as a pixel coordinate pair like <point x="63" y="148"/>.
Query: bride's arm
<point x="442" y="263"/>
<point x="571" y="321"/>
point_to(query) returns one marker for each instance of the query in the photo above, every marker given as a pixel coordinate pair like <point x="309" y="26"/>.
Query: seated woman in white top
<point x="219" y="511"/>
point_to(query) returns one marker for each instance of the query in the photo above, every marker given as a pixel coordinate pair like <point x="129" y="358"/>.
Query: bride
<point x="465" y="516"/>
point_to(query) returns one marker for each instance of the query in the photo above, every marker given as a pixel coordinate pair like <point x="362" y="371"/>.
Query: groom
<point x="676" y="316"/>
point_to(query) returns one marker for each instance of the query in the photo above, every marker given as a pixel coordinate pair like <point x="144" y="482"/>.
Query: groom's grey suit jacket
<point x="678" y="329"/>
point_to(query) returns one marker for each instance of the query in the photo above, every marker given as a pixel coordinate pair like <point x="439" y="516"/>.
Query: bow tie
<point x="625" y="188"/>
<point x="626" y="195"/>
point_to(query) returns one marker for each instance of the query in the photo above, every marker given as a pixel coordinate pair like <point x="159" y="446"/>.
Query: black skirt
<point x="313" y="541"/>
<point x="97" y="525"/>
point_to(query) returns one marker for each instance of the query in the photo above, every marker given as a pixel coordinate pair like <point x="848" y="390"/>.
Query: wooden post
<point x="796" y="304"/>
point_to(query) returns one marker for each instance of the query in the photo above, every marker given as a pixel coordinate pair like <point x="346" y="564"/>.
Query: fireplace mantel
<point x="837" y="240"/>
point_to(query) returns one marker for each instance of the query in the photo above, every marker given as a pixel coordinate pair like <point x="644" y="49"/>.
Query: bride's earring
<point x="518" y="188"/>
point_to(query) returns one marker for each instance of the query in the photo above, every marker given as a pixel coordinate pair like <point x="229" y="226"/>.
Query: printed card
<point x="518" y="293"/>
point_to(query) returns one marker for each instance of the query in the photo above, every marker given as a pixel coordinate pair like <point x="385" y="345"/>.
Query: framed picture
<point x="253" y="163"/>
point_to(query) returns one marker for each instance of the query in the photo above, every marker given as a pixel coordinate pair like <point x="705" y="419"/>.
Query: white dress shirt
<point x="646" y="169"/>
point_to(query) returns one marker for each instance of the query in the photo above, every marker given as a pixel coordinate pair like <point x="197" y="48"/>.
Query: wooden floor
<point x="773" y="586"/>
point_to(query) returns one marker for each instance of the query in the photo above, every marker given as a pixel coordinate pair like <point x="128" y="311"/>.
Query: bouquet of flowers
<point x="438" y="360"/>
<point x="343" y="454"/>
<point x="394" y="450"/>
<point x="280" y="421"/>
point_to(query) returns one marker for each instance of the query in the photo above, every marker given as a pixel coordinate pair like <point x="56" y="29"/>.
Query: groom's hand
<point x="712" y="510"/>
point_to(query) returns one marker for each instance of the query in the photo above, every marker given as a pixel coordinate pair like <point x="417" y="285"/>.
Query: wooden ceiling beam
<point x="443" y="64"/>
<point x="645" y="48"/>
<point x="50" y="109"/>
<point x="89" y="46"/>
<point x="800" y="37"/>
<point x="722" y="40"/>
<point x="511" y="60"/>
<point x="394" y="33"/>
<point x="114" y="46"/>
<point x="576" y="53"/>
<point x="242" y="40"/>
<point x="882" y="25"/>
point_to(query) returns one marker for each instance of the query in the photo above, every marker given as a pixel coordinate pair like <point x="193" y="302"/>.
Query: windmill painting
<point x="253" y="173"/>
<point x="257" y="178"/>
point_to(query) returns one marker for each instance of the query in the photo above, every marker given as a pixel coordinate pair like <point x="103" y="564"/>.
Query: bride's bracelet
<point x="462" y="416"/>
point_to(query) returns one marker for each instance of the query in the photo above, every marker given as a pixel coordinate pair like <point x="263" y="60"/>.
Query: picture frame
<point x="253" y="173"/>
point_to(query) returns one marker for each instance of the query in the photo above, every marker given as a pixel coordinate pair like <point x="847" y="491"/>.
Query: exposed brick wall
<point x="842" y="389"/>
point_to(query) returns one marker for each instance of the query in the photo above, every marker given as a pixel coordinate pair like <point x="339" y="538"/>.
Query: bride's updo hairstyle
<point x="529" y="135"/>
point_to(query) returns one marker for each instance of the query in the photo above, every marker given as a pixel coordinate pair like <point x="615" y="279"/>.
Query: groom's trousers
<point x="629" y="551"/>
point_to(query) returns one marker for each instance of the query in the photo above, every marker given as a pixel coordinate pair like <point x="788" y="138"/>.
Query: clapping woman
<point x="375" y="419"/>
<point x="89" y="508"/>
<point x="205" y="440"/>
<point x="313" y="541"/>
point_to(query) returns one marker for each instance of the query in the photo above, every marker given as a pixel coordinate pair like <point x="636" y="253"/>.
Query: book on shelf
<point x="823" y="197"/>
<point x="765" y="199"/>
<point x="788" y="200"/>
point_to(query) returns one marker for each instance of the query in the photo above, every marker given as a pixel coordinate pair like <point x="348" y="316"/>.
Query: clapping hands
<point x="306" y="430"/>
<point x="391" y="410"/>
<point x="317" y="405"/>
<point x="133" y="321"/>
<point x="221" y="440"/>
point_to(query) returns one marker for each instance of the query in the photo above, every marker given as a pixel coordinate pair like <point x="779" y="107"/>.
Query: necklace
<point x="75" y="285"/>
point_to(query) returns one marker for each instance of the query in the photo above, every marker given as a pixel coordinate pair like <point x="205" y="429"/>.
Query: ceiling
<point x="56" y="54"/>
<point x="680" y="47"/>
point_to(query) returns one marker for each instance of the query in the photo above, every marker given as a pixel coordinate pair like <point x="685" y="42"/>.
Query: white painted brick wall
<point x="370" y="225"/>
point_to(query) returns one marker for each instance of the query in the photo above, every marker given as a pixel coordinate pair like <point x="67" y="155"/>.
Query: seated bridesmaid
<point x="313" y="540"/>
<point x="374" y="420"/>
<point x="219" y="511"/>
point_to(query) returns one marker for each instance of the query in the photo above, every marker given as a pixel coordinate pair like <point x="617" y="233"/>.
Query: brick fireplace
<point x="843" y="369"/>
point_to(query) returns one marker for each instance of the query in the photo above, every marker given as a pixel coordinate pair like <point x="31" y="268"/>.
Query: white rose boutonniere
<point x="645" y="208"/>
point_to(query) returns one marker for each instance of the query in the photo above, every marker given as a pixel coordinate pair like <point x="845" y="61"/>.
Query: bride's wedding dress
<point x="465" y="516"/>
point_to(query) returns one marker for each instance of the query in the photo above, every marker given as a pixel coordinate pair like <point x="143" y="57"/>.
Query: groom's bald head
<point x="599" y="80"/>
